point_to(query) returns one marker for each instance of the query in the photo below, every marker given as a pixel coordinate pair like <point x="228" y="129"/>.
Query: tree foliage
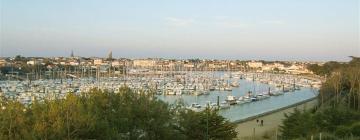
<point x="206" y="125"/>
<point x="325" y="69"/>
<point x="106" y="115"/>
<point x="338" y="114"/>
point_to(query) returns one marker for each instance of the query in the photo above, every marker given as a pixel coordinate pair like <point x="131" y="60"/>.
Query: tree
<point x="297" y="124"/>
<point x="207" y="124"/>
<point x="106" y="115"/>
<point x="339" y="112"/>
<point x="14" y="123"/>
<point x="19" y="58"/>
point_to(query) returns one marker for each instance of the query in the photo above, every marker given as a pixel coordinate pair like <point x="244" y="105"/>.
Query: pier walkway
<point x="249" y="129"/>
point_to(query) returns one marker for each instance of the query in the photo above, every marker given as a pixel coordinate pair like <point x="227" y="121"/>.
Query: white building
<point x="297" y="69"/>
<point x="144" y="63"/>
<point x="254" y="64"/>
<point x="270" y="67"/>
<point x="98" y="62"/>
<point x="3" y="62"/>
<point x="32" y="62"/>
<point x="189" y="65"/>
<point x="72" y="63"/>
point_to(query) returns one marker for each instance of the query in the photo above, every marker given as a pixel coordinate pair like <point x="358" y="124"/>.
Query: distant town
<point x="44" y="67"/>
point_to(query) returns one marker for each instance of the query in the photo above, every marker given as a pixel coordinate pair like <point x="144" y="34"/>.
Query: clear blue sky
<point x="223" y="29"/>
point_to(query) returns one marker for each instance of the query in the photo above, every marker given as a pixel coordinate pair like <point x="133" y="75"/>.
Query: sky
<point x="315" y="30"/>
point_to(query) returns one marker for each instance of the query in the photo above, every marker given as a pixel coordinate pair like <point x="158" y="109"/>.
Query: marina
<point x="238" y="95"/>
<point x="246" y="109"/>
<point x="179" y="70"/>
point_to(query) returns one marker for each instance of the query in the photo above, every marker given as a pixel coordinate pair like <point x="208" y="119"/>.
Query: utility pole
<point x="207" y="121"/>
<point x="218" y="102"/>
<point x="254" y="133"/>
<point x="320" y="136"/>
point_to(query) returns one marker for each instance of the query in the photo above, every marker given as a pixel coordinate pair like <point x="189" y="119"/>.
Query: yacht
<point x="254" y="99"/>
<point x="235" y="84"/>
<point x="228" y="88"/>
<point x="240" y="100"/>
<point x="212" y="88"/>
<point x="178" y="92"/>
<point x="224" y="105"/>
<point x="231" y="100"/>
<point x="195" y="107"/>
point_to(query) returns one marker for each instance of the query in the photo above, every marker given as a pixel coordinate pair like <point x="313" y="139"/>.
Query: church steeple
<point x="72" y="53"/>
<point x="110" y="56"/>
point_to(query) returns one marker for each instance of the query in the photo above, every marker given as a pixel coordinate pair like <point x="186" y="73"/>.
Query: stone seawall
<point x="273" y="111"/>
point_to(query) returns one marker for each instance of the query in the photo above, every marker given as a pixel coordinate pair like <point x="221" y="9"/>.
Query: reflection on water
<point x="238" y="112"/>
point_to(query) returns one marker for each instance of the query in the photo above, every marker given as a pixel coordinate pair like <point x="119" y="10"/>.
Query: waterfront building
<point x="144" y="63"/>
<point x="33" y="62"/>
<point x="272" y="66"/>
<point x="98" y="62"/>
<point x="3" y="62"/>
<point x="74" y="63"/>
<point x="255" y="64"/>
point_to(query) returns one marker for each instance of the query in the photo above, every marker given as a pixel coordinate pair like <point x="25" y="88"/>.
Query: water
<point x="238" y="112"/>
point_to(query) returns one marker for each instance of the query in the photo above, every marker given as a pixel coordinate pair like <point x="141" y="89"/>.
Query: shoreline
<point x="250" y="129"/>
<point x="273" y="111"/>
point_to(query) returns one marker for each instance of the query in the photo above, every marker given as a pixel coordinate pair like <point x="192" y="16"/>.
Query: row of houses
<point x="170" y="64"/>
<point x="290" y="67"/>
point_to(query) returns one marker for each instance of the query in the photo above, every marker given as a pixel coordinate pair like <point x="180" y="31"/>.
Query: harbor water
<point x="243" y="111"/>
<point x="191" y="88"/>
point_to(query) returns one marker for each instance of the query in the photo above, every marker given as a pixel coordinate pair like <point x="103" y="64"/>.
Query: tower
<point x="110" y="56"/>
<point x="72" y="53"/>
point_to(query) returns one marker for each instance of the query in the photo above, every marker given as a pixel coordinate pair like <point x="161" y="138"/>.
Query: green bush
<point x="105" y="115"/>
<point x="343" y="131"/>
<point x="355" y="129"/>
<point x="338" y="115"/>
